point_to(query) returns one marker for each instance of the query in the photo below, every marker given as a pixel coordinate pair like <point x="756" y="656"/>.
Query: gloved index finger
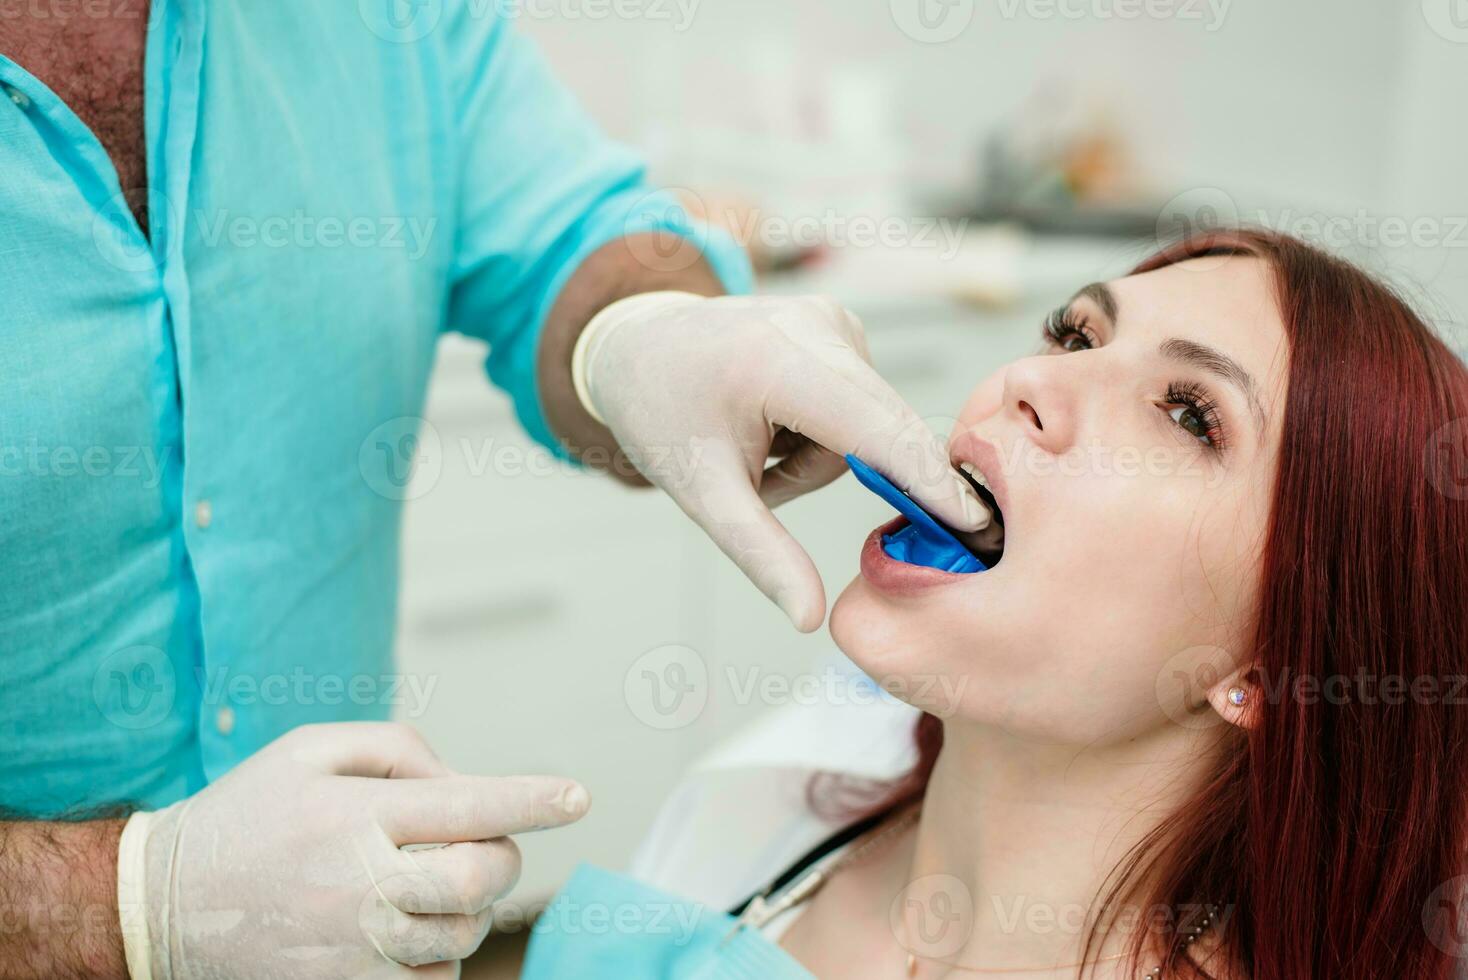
<point x="727" y="506"/>
<point x="451" y="809"/>
<point x="850" y="410"/>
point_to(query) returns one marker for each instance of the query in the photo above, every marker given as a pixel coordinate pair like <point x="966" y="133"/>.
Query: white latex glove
<point x="701" y="393"/>
<point x="292" y="864"/>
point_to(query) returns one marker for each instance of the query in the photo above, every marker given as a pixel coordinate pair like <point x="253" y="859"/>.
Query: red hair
<point x="1333" y="830"/>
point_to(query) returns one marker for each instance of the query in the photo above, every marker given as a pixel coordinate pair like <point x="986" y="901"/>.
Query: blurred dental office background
<point x="950" y="170"/>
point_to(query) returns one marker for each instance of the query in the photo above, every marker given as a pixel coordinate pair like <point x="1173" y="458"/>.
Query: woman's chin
<point x="873" y="633"/>
<point x="869" y="631"/>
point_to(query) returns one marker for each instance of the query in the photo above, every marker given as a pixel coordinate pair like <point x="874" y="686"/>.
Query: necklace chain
<point x="1203" y="925"/>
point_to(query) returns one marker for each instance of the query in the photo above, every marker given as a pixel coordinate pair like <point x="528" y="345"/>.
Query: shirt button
<point x="18" y="97"/>
<point x="224" y="720"/>
<point x="203" y="514"/>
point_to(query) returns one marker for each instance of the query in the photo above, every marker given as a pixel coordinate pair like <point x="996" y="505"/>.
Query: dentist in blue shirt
<point x="231" y="234"/>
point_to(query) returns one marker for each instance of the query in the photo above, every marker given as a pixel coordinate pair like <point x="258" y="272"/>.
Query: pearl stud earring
<point x="1237" y="696"/>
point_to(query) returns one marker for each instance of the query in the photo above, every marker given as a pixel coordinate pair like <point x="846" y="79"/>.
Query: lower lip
<point x="898" y="578"/>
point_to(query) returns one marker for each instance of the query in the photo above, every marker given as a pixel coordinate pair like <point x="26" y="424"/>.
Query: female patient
<point x="1204" y="714"/>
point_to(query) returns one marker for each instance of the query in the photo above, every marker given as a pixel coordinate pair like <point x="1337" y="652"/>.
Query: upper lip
<point x="980" y="461"/>
<point x="984" y="457"/>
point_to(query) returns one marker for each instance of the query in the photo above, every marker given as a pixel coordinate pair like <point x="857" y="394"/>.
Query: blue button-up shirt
<point x="194" y="424"/>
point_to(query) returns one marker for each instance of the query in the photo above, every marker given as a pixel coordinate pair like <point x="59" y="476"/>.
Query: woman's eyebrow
<point x="1100" y="294"/>
<point x="1217" y="363"/>
<point x="1210" y="359"/>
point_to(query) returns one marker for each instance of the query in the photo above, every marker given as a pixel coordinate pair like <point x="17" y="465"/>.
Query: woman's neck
<point x="1025" y="837"/>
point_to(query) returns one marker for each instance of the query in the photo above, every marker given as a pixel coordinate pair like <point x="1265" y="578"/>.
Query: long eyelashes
<point x="1187" y="403"/>
<point x="1067" y="331"/>
<point x="1198" y="413"/>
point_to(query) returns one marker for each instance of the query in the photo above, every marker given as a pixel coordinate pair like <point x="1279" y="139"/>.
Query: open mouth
<point x="987" y="544"/>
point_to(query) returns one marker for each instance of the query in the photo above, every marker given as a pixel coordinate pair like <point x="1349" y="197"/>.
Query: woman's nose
<point x="1042" y="401"/>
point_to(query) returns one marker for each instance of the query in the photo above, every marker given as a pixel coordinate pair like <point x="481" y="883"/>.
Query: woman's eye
<point x="1192" y="422"/>
<point x="1068" y="332"/>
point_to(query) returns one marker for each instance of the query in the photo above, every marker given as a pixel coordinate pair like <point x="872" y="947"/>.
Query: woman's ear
<point x="1236" y="697"/>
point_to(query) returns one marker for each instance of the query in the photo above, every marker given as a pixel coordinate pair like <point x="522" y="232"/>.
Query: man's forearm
<point x="611" y="273"/>
<point x="58" y="900"/>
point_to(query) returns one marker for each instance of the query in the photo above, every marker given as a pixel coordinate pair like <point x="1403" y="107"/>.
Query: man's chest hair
<point x="95" y="64"/>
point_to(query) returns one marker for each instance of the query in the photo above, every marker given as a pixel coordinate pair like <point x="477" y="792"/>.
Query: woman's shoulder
<point x="745" y="812"/>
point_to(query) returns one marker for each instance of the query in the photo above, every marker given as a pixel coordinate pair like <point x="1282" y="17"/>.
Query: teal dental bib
<point x="606" y="926"/>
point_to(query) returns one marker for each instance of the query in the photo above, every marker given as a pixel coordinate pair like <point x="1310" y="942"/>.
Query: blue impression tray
<point x="923" y="541"/>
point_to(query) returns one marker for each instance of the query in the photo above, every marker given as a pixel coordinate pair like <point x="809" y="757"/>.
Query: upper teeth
<point x="973" y="471"/>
